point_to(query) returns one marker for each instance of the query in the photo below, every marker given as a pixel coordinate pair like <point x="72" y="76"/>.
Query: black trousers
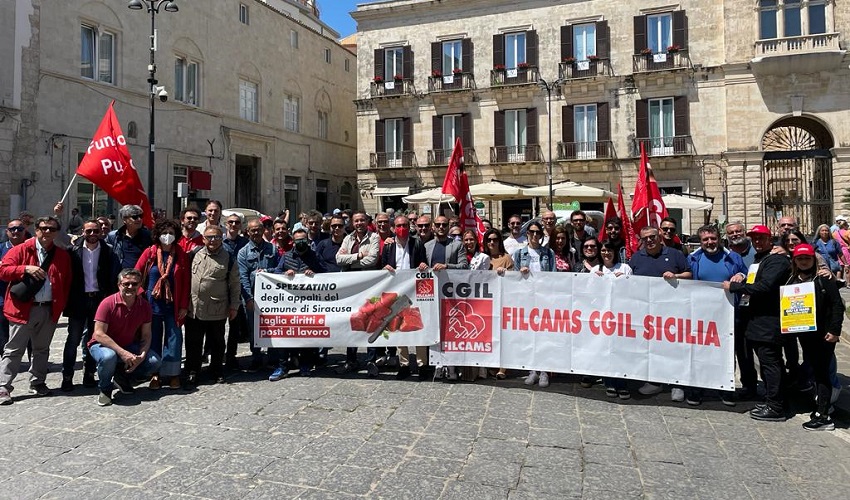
<point x="792" y="356"/>
<point x="238" y="326"/>
<point x="213" y="331"/>
<point x="746" y="358"/>
<point x="772" y="373"/>
<point x="818" y="353"/>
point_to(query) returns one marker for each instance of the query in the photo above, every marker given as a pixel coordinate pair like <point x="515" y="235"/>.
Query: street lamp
<point x="153" y="7"/>
<point x="548" y="87"/>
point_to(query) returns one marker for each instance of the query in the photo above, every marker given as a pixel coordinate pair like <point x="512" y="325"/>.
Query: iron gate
<point x="799" y="184"/>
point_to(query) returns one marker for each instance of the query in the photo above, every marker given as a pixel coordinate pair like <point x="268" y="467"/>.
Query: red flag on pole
<point x="456" y="183"/>
<point x="107" y="164"/>
<point x="628" y="233"/>
<point x="647" y="206"/>
<point x="610" y="211"/>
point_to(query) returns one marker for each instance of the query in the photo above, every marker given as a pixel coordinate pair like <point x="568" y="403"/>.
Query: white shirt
<point x="619" y="267"/>
<point x="402" y="256"/>
<point x="46" y="292"/>
<point x="513" y="244"/>
<point x="534" y="260"/>
<point x="90" y="259"/>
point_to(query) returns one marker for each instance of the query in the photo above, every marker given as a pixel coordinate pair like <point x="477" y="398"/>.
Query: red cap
<point x="804" y="249"/>
<point x="265" y="218"/>
<point x="759" y="229"/>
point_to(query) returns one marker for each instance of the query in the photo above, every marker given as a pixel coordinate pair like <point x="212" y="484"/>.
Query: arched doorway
<point x="797" y="172"/>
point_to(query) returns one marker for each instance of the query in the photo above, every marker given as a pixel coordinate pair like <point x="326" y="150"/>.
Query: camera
<point x="161" y="93"/>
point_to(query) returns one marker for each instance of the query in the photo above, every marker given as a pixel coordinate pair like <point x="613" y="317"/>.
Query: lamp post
<point x="153" y="8"/>
<point x="548" y="87"/>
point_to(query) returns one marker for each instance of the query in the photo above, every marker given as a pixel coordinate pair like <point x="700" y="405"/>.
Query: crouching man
<point x="115" y="347"/>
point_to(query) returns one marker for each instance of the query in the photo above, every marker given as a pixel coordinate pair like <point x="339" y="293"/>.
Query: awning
<point x="391" y="191"/>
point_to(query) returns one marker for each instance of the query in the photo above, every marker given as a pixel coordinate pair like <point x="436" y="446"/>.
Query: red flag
<point x="456" y="183"/>
<point x="610" y="211"/>
<point x="647" y="206"/>
<point x="107" y="164"/>
<point x="628" y="233"/>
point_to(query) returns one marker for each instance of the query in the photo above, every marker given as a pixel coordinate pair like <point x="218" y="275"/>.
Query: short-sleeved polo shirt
<point x="123" y="322"/>
<point x="669" y="259"/>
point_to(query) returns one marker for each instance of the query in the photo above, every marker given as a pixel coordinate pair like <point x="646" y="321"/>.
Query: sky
<point x="335" y="13"/>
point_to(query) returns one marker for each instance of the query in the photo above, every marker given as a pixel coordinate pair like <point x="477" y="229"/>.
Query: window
<point x="661" y="128"/>
<point x="514" y="49"/>
<point x="323" y="125"/>
<point x="790" y="18"/>
<point x="585" y="131"/>
<point x="186" y="81"/>
<point x="659" y="32"/>
<point x="90" y="199"/>
<point x="452" y="56"/>
<point x="347" y="65"/>
<point x="767" y="19"/>
<point x="243" y="13"/>
<point x="452" y="129"/>
<point x="97" y="54"/>
<point x="327" y="55"/>
<point x="584" y="41"/>
<point x="248" y="104"/>
<point x="181" y="174"/>
<point x="516" y="134"/>
<point x="293" y="39"/>
<point x="393" y="63"/>
<point x="394" y="141"/>
<point x="817" y="17"/>
<point x="322" y="189"/>
<point x="793" y="25"/>
<point x="291" y="187"/>
<point x="290" y="113"/>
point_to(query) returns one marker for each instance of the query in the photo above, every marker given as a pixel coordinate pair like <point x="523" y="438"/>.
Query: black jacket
<point x="106" y="285"/>
<point x="415" y="248"/>
<point x="761" y="317"/>
<point x="829" y="308"/>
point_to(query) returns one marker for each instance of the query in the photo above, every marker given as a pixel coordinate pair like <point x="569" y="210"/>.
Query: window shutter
<point x="680" y="116"/>
<point x="379" y="62"/>
<point x="531" y="47"/>
<point x="642" y="119"/>
<point x="407" y="134"/>
<point x="603" y="40"/>
<point x="680" y="29"/>
<point x="566" y="42"/>
<point x="380" y="144"/>
<point x="603" y="122"/>
<point x="437" y="134"/>
<point x="407" y="62"/>
<point x="466" y="130"/>
<point x="568" y="128"/>
<point x="640" y="33"/>
<point x="498" y="50"/>
<point x="436" y="56"/>
<point x="466" y="57"/>
<point x="499" y="128"/>
<point x="532" y="141"/>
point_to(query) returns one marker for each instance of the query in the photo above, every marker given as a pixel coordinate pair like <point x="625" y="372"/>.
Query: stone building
<point x="259" y="113"/>
<point x="739" y="101"/>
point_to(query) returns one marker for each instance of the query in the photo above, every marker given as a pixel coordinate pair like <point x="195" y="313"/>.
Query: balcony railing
<point x="392" y="88"/>
<point x="514" y="76"/>
<point x="594" y="150"/>
<point x="516" y="154"/>
<point x="454" y="81"/>
<point x="393" y="159"/>
<point x="440" y="157"/>
<point x="664" y="146"/>
<point x="797" y="44"/>
<point x="584" y="69"/>
<point x="664" y="61"/>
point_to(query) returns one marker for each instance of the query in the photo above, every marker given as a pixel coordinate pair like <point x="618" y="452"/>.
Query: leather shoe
<point x="767" y="414"/>
<point x="403" y="372"/>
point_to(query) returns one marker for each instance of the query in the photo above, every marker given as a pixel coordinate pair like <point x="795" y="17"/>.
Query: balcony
<point x="451" y="83"/>
<point x="503" y="77"/>
<point x="393" y="159"/>
<point x="797" y="54"/>
<point x="440" y="157"/>
<point x="678" y="145"/>
<point x="594" y="150"/>
<point x="663" y="61"/>
<point x="393" y="88"/>
<point x="516" y="154"/>
<point x="577" y="70"/>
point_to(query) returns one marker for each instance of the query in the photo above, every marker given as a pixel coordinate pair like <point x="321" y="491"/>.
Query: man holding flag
<point x="647" y="206"/>
<point x="456" y="183"/>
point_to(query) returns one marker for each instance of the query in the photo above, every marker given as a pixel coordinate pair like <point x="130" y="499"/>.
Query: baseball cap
<point x="759" y="229"/>
<point x="337" y="211"/>
<point x="840" y="217"/>
<point x="265" y="219"/>
<point x="804" y="249"/>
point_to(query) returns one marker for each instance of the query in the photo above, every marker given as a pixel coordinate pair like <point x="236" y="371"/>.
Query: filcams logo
<point x="469" y="321"/>
<point x="425" y="286"/>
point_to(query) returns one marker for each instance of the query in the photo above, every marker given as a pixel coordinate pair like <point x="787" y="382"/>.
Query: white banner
<point x="368" y="308"/>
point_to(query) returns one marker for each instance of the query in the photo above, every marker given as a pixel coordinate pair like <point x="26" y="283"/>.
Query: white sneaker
<point x="649" y="389"/>
<point x="677" y="394"/>
<point x="544" y="379"/>
<point x="531" y="378"/>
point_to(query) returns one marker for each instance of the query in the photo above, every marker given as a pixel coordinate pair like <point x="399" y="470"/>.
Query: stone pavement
<point x="333" y="437"/>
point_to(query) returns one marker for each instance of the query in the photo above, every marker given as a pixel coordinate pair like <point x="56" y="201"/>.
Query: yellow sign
<point x="797" y="308"/>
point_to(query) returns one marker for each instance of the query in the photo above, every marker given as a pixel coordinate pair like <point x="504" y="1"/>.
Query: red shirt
<point x="123" y="322"/>
<point x="283" y="247"/>
<point x="189" y="244"/>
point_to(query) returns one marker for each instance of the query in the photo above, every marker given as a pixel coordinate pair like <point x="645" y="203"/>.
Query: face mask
<point x="167" y="239"/>
<point x="301" y="245"/>
<point x="402" y="232"/>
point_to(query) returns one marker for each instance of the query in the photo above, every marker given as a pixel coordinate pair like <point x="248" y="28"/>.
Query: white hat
<point x="336" y="211"/>
<point x="840" y="217"/>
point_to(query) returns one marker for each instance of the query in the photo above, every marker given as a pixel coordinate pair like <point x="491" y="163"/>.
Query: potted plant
<point x="523" y="65"/>
<point x="436" y="73"/>
<point x="499" y="67"/>
<point x="379" y="79"/>
<point x="673" y="49"/>
<point x="398" y="78"/>
<point x="593" y="57"/>
<point x="646" y="52"/>
<point x="569" y="60"/>
<point x="457" y="71"/>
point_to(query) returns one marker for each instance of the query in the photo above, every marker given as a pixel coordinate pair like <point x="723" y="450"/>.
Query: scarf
<point x="162" y="288"/>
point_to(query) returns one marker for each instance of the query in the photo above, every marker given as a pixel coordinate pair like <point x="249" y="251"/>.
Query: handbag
<point x="26" y="289"/>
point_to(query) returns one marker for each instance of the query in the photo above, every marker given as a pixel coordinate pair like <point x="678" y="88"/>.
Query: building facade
<point x="737" y="101"/>
<point x="259" y="113"/>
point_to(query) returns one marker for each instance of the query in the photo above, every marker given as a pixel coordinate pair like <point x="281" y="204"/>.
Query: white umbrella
<point x="686" y="202"/>
<point x="431" y="196"/>
<point x="495" y="190"/>
<point x="247" y="213"/>
<point x="571" y="190"/>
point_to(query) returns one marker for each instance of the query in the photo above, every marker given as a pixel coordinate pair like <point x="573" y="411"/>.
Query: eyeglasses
<point x="212" y="237"/>
<point x="512" y="224"/>
<point x="422" y="226"/>
<point x="190" y="218"/>
<point x="234" y="222"/>
<point x="336" y="226"/>
<point x="548" y="219"/>
<point x="668" y="229"/>
<point x="134" y="217"/>
<point x="47" y="229"/>
<point x="577" y="220"/>
<point x="130" y="284"/>
<point x="92" y="231"/>
<point x="534" y="231"/>
<point x="382" y="222"/>
<point x="15" y="229"/>
<point x="650" y="237"/>
<point x="441" y="224"/>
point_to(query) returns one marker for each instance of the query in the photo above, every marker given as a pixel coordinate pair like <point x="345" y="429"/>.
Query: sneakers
<point x="372" y="368"/>
<point x="391" y="361"/>
<point x="39" y="390"/>
<point x="611" y="392"/>
<point x="677" y="394"/>
<point x="123" y="386"/>
<point x="88" y="380"/>
<point x="403" y="372"/>
<point x="191" y="381"/>
<point x="727" y="398"/>
<point x="693" y="400"/>
<point x="5" y="397"/>
<point x="155" y="384"/>
<point x="767" y="414"/>
<point x="532" y="378"/>
<point x="67" y="383"/>
<point x="587" y="383"/>
<point x="624" y="394"/>
<point x="819" y="423"/>
<point x="255" y="366"/>
<point x="104" y="399"/>
<point x="278" y="374"/>
<point x="649" y="389"/>
<point x="544" y="379"/>
<point x="381" y="361"/>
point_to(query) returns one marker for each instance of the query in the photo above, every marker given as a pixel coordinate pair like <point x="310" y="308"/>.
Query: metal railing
<point x="439" y="157"/>
<point x="516" y="154"/>
<point x="797" y="44"/>
<point x="664" y="146"/>
<point x="393" y="159"/>
<point x="574" y="70"/>
<point x="664" y="61"/>
<point x="392" y="88"/>
<point x="454" y="81"/>
<point x="514" y="76"/>
<point x="593" y="150"/>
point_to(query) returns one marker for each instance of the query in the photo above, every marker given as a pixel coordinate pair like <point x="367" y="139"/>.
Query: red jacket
<point x="181" y="276"/>
<point x="12" y="270"/>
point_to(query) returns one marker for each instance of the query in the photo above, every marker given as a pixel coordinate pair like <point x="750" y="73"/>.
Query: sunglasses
<point x="578" y="220"/>
<point x="47" y="229"/>
<point x="401" y="225"/>
<point x="422" y="226"/>
<point x="15" y="229"/>
<point x="92" y="231"/>
<point x="190" y="218"/>
<point x="586" y="247"/>
<point x="441" y="224"/>
<point x="336" y="226"/>
<point x="212" y="237"/>
<point x="493" y="240"/>
<point x="135" y="217"/>
<point x="130" y="284"/>
<point x="514" y="223"/>
<point x="668" y="229"/>
<point x="234" y="222"/>
<point x="534" y="231"/>
<point x="651" y="237"/>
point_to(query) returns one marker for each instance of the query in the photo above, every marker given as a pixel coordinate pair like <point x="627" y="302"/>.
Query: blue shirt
<point x="712" y="267"/>
<point x="668" y="259"/>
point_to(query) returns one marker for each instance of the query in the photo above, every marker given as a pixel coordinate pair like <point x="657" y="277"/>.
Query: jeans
<point x="39" y="330"/>
<point x="109" y="365"/>
<point x="772" y="372"/>
<point x="80" y="330"/>
<point x="167" y="342"/>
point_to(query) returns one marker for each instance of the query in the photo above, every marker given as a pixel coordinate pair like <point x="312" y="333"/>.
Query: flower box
<point x="436" y="73"/>
<point x="673" y="49"/>
<point x="379" y="79"/>
<point x="457" y="71"/>
<point x="569" y="60"/>
<point x="647" y="51"/>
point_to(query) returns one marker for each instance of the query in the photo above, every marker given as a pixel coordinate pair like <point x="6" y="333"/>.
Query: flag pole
<point x="64" y="196"/>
